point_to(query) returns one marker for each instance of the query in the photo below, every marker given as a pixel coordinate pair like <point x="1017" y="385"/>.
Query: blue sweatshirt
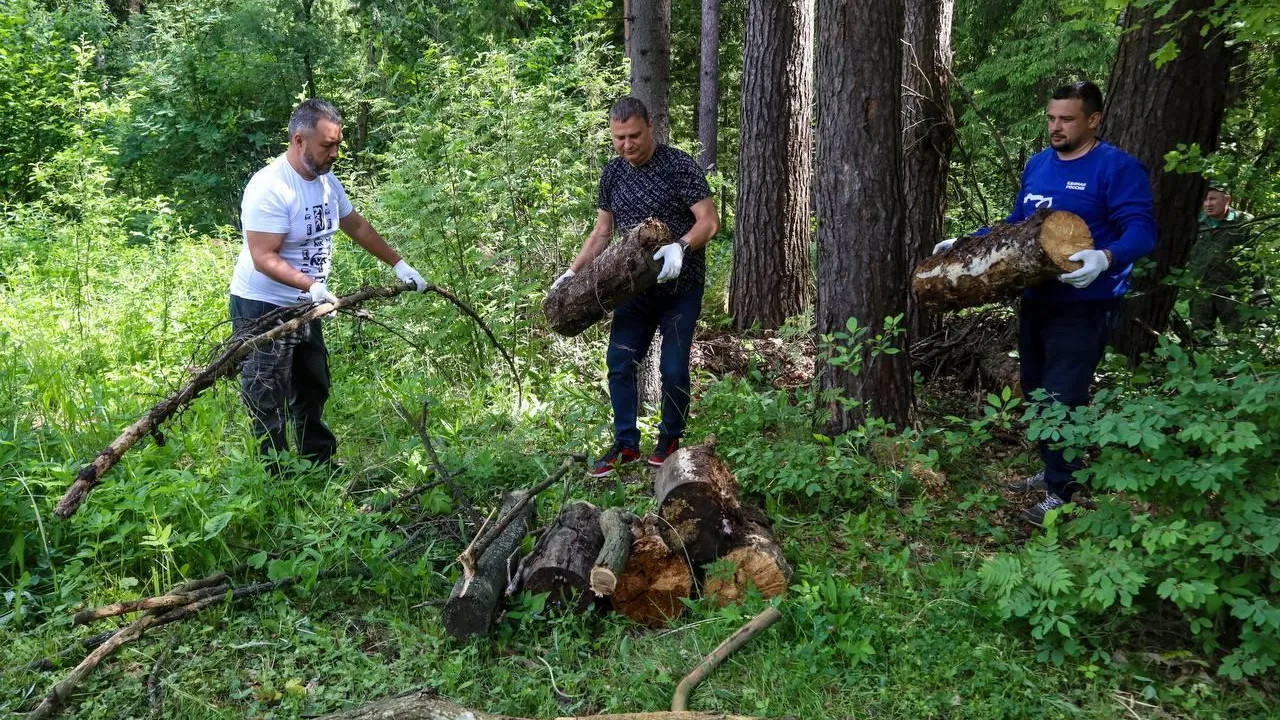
<point x="1110" y="191"/>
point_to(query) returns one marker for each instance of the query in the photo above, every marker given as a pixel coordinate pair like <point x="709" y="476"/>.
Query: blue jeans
<point x="634" y="323"/>
<point x="1060" y="345"/>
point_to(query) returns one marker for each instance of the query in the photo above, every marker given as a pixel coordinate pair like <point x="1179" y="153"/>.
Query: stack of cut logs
<point x="643" y="566"/>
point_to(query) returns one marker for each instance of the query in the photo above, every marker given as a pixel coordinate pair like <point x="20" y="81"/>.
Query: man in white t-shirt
<point x="290" y="212"/>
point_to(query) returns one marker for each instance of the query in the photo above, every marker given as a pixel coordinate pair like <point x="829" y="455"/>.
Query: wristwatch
<point x="684" y="245"/>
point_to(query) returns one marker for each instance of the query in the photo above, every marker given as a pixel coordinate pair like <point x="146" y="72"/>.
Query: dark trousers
<point x="1060" y="345"/>
<point x="634" y="323"/>
<point x="1208" y="310"/>
<point x="287" y="379"/>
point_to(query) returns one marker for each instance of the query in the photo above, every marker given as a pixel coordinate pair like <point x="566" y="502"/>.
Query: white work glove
<point x="944" y="246"/>
<point x="1094" y="262"/>
<point x="320" y="294"/>
<point x="406" y="273"/>
<point x="672" y="257"/>
<point x="563" y="277"/>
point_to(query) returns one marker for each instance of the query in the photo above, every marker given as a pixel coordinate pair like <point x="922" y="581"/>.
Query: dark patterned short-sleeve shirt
<point x="664" y="188"/>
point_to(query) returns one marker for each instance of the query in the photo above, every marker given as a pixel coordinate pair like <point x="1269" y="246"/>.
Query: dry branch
<point x="459" y="497"/>
<point x="760" y="622"/>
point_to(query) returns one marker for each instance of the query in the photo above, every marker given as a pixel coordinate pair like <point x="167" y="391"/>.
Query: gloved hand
<point x="320" y="294"/>
<point x="1094" y="262"/>
<point x="563" y="277"/>
<point x="672" y="257"/>
<point x="944" y="246"/>
<point x="406" y="273"/>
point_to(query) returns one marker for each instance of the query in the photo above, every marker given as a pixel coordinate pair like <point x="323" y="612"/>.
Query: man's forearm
<point x="702" y="232"/>
<point x="275" y="267"/>
<point x="594" y="245"/>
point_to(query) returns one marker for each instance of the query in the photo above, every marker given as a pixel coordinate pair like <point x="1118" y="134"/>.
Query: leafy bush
<point x="1191" y="521"/>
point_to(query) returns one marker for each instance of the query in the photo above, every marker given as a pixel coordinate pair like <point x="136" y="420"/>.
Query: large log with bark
<point x="757" y="563"/>
<point x="980" y="269"/>
<point x="425" y="705"/>
<point x="654" y="580"/>
<point x="698" y="503"/>
<point x="625" y="269"/>
<point x="560" y="563"/>
<point x="474" y="601"/>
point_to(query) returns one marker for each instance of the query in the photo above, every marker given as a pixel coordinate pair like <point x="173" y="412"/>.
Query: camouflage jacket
<point x="1214" y="257"/>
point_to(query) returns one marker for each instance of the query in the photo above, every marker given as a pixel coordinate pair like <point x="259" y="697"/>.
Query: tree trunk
<point x="980" y="269"/>
<point x="371" y="68"/>
<point x="862" y="268"/>
<point x="472" y="605"/>
<point x="651" y="61"/>
<point x="1149" y="112"/>
<point x="928" y="135"/>
<point x="625" y="269"/>
<point x="560" y="564"/>
<point x="616" y="525"/>
<point x="758" y="563"/>
<point x="308" y="73"/>
<point x="771" y="247"/>
<point x="654" y="580"/>
<point x="426" y="705"/>
<point x="698" y="504"/>
<point x="628" y="21"/>
<point x="709" y="89"/>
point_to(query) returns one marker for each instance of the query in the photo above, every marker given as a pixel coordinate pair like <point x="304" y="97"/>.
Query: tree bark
<point x="862" y="268"/>
<point x="771" y="248"/>
<point x="709" y="87"/>
<point x="654" y="580"/>
<point x="625" y="269"/>
<point x="758" y="563"/>
<point x="928" y="136"/>
<point x="698" y="504"/>
<point x="426" y="705"/>
<point x="980" y="269"/>
<point x="1149" y="112"/>
<point x="651" y="61"/>
<point x="560" y="564"/>
<point x="616" y="526"/>
<point x="473" y="602"/>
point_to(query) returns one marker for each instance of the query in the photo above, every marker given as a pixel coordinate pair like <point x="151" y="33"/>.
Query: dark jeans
<point x="287" y="379"/>
<point x="1060" y="345"/>
<point x="634" y="323"/>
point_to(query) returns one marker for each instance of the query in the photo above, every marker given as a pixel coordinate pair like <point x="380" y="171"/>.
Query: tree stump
<point x="616" y="526"/>
<point x="654" y="579"/>
<point x="625" y="269"/>
<point x="560" y="564"/>
<point x="980" y="269"/>
<point x="698" y="503"/>
<point x="758" y="562"/>
<point x="472" y="606"/>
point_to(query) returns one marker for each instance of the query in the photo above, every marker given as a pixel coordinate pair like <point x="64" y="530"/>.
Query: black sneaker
<point x="1036" y="513"/>
<point x="662" y="451"/>
<point x="1026" y="485"/>
<point x="612" y="460"/>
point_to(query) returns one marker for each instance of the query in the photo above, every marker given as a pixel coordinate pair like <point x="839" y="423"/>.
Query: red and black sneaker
<point x="617" y="456"/>
<point x="662" y="451"/>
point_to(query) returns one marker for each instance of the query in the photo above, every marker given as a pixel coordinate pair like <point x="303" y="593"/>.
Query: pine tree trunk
<point x="651" y="61"/>
<point x="928" y="135"/>
<point x="1150" y="111"/>
<point x="862" y="268"/>
<point x="771" y="245"/>
<point x="709" y="89"/>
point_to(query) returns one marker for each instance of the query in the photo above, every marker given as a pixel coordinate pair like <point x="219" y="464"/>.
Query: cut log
<point x="426" y="705"/>
<point x="616" y="526"/>
<point x="980" y="269"/>
<point x="698" y="503"/>
<point x="758" y="563"/>
<point x="625" y="269"/>
<point x="473" y="602"/>
<point x="560" y="564"/>
<point x="654" y="579"/>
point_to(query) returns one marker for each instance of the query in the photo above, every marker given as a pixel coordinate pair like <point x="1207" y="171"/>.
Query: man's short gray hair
<point x="310" y="113"/>
<point x="625" y="108"/>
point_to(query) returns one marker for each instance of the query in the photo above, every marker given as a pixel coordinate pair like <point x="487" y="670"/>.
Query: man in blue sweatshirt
<point x="1063" y="326"/>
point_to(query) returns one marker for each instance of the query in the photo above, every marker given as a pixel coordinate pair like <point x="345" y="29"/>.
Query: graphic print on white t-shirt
<point x="279" y="200"/>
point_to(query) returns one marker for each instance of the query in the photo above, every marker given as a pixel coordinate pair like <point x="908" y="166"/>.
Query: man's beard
<point x="316" y="168"/>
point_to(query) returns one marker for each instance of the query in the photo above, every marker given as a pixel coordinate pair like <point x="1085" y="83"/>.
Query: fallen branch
<point x="753" y="627"/>
<point x="420" y="426"/>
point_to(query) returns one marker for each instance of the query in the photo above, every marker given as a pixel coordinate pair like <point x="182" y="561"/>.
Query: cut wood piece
<point x="980" y="269"/>
<point x="625" y="269"/>
<point x="654" y="580"/>
<point x="426" y="705"/>
<point x="474" y="601"/>
<point x="560" y="564"/>
<point x="757" y="563"/>
<point x="616" y="526"/>
<point x="698" y="503"/>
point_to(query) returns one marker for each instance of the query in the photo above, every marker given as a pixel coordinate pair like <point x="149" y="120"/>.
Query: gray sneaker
<point x="1026" y="485"/>
<point x="1036" y="513"/>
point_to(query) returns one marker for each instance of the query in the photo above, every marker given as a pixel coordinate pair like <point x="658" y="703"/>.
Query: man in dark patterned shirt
<point x="646" y="180"/>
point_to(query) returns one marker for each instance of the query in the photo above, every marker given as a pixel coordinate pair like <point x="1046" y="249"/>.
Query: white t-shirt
<point x="279" y="200"/>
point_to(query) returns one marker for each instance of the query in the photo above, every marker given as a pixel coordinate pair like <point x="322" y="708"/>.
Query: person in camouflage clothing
<point x="1214" y="264"/>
